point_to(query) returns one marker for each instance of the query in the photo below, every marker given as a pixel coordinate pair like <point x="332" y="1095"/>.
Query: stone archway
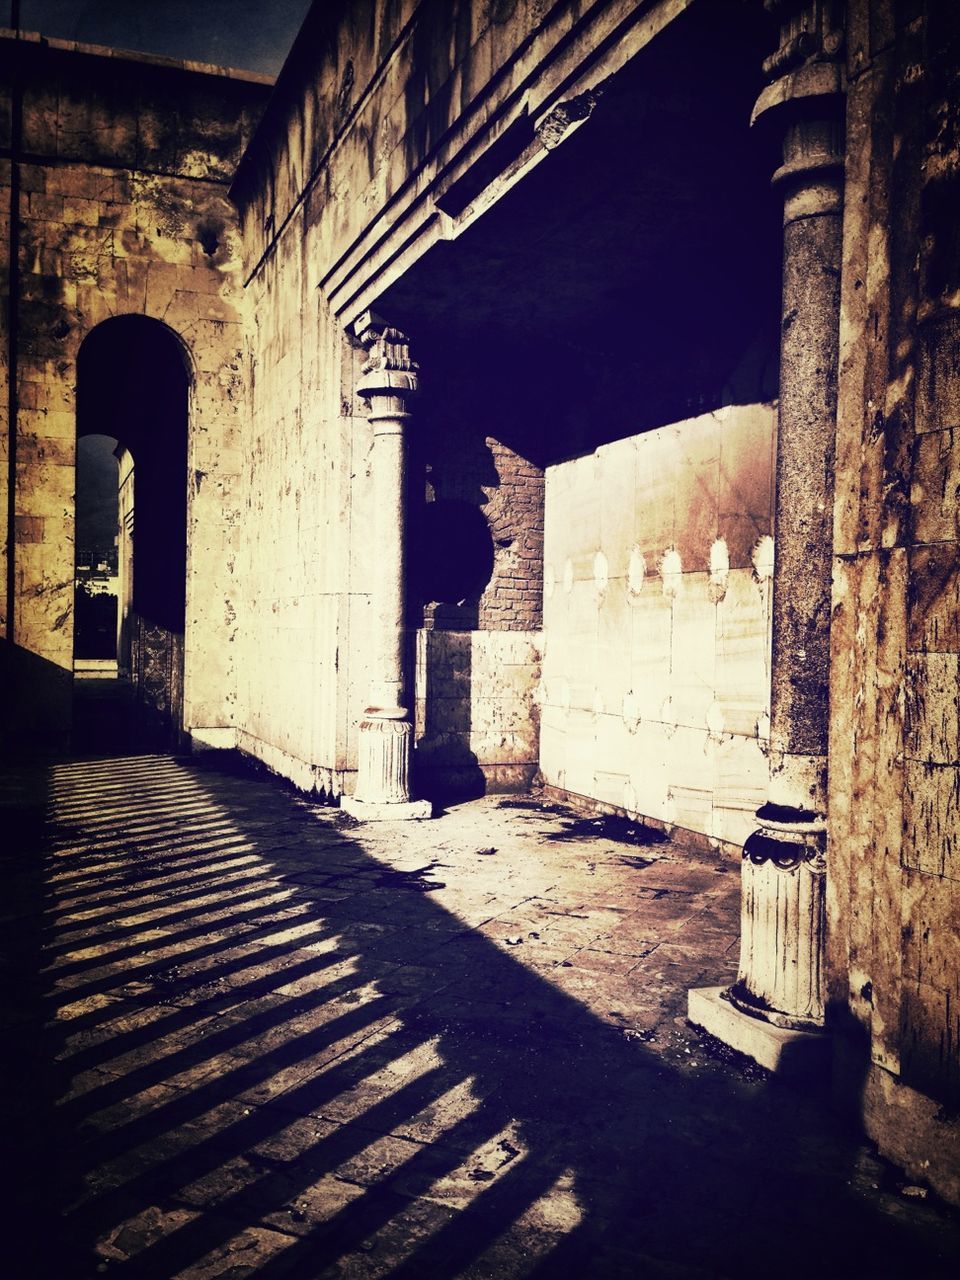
<point x="133" y="384"/>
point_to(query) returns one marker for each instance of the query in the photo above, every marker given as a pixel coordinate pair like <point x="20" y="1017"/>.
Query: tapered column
<point x="386" y="732"/>
<point x="784" y="862"/>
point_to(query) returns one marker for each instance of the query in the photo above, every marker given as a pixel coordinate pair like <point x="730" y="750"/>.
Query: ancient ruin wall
<point x="307" y="443"/>
<point x="360" y="118"/>
<point x="121" y="167"/>
<point x="894" y="887"/>
<point x="656" y="676"/>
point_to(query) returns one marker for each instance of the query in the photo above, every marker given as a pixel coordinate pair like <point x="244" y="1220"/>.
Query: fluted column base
<point x="782" y="921"/>
<point x="383" y="773"/>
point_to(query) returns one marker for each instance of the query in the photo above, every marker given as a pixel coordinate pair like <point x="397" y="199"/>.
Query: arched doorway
<point x="133" y="391"/>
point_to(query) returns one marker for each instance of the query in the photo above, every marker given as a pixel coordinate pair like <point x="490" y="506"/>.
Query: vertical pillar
<point x="386" y="732"/>
<point x="780" y="978"/>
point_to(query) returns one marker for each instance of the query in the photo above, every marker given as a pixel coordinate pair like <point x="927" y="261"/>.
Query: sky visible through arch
<point x="251" y="35"/>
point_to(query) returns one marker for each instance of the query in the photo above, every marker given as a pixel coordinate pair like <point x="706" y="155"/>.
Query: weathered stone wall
<point x="306" y="627"/>
<point x="379" y="104"/>
<point x="118" y="188"/>
<point x="361" y="122"/>
<point x="656" y="677"/>
<point x="894" y="883"/>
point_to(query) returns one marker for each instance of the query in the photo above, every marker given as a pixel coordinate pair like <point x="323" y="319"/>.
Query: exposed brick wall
<point x="513" y="600"/>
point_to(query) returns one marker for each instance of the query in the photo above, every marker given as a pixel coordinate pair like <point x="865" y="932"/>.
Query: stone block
<point x="932" y="715"/>
<point x="617" y="478"/>
<point x="28" y="529"/>
<point x="740" y="786"/>
<point x="552" y="748"/>
<point x="934" y="615"/>
<point x="938" y="387"/>
<point x="697" y="492"/>
<point x="658" y="457"/>
<point x="930" y="1059"/>
<point x="615" y="621"/>
<point x="746" y="486"/>
<point x="742" y="681"/>
<point x="935" y="487"/>
<point x="83" y="213"/>
<point x="649" y="770"/>
<point x="930" y="922"/>
<point x="693" y="652"/>
<point x="45" y="208"/>
<point x="580" y="751"/>
<point x="614" y="745"/>
<point x="797" y="1055"/>
<point x="931" y="818"/>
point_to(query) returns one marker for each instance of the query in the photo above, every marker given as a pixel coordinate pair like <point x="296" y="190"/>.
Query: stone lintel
<point x="788" y="1053"/>
<point x="385" y="811"/>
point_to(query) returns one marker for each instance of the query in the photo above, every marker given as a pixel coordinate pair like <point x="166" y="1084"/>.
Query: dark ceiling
<point x="642" y="255"/>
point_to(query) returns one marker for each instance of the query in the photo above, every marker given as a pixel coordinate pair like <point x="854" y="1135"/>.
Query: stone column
<point x="386" y="732"/>
<point x="780" y="978"/>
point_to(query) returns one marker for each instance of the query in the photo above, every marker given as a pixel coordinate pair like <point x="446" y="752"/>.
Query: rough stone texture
<point x="253" y="1040"/>
<point x="894" y="955"/>
<point x="656" y="637"/>
<point x="121" y="172"/>
<point x="805" y="464"/>
<point x="464" y="466"/>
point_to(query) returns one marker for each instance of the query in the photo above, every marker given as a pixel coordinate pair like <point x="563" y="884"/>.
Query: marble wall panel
<point x="656" y="650"/>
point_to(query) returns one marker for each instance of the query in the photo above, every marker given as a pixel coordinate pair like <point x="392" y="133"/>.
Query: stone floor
<point x="250" y="1039"/>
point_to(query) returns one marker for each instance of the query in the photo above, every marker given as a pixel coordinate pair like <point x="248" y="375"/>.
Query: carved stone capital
<point x="389" y="369"/>
<point x="811" y="31"/>
<point x="805" y="101"/>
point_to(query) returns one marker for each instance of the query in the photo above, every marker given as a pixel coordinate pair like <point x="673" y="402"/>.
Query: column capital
<point x="807" y="66"/>
<point x="388" y="369"/>
<point x="805" y="102"/>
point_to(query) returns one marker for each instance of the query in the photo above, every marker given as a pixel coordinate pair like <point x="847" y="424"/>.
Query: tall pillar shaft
<point x="784" y="868"/>
<point x="386" y="732"/>
<point x="388" y="467"/>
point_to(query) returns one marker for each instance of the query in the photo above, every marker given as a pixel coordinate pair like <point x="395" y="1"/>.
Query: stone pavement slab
<point x="247" y="1036"/>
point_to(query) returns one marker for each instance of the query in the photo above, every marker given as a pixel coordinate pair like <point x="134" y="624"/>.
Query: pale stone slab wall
<point x="656" y="678"/>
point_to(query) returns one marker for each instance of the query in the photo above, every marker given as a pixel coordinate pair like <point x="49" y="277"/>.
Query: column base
<point x="787" y="1052"/>
<point x="386" y="810"/>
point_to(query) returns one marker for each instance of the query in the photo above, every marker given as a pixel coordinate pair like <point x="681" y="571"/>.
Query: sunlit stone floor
<point x="245" y="1039"/>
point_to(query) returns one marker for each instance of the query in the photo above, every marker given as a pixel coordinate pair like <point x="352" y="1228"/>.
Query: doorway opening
<point x="132" y="408"/>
